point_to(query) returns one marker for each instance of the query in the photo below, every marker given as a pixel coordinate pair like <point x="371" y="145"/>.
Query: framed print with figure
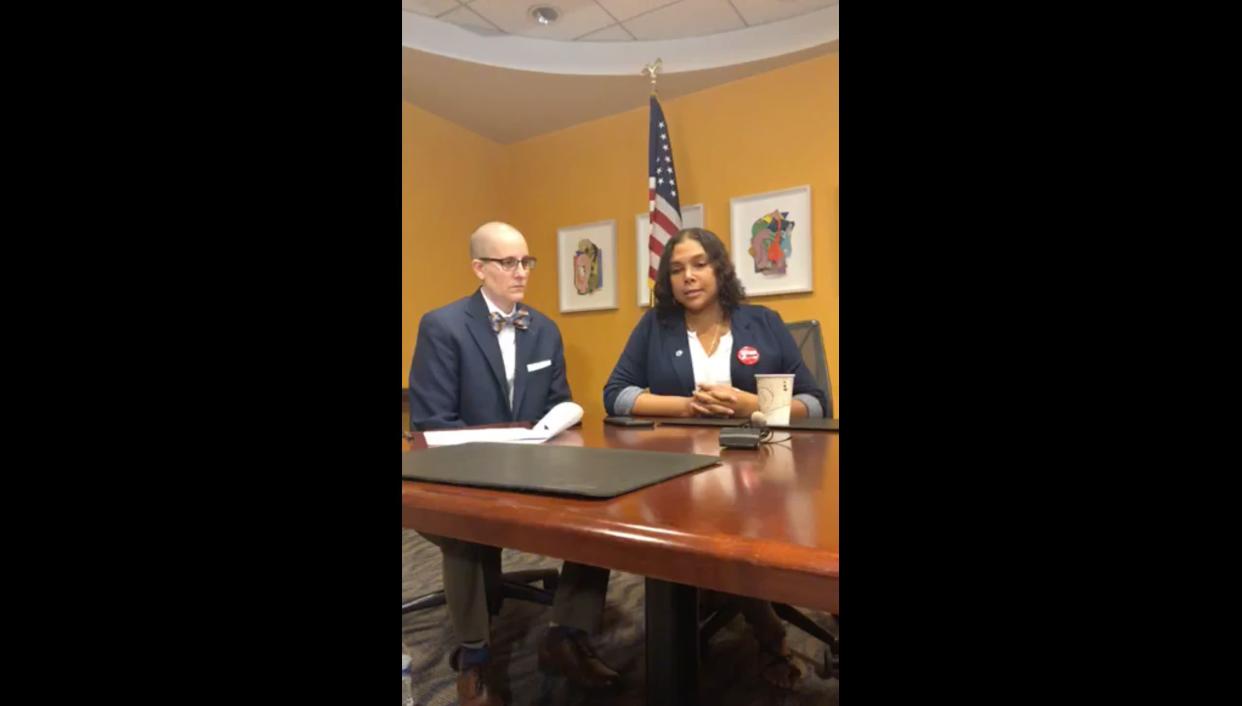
<point x="586" y="263"/>
<point x="771" y="241"/>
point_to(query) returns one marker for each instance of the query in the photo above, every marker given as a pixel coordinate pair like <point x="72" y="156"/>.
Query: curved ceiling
<point x="487" y="66"/>
<point x="618" y="37"/>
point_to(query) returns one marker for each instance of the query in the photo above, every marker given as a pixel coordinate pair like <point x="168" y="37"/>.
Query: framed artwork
<point x="691" y="217"/>
<point x="586" y="266"/>
<point x="771" y="241"/>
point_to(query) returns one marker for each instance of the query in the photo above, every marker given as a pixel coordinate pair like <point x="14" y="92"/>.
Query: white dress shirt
<point x="714" y="368"/>
<point x="508" y="344"/>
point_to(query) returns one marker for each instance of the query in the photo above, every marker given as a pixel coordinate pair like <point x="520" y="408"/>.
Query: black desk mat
<point x="550" y="470"/>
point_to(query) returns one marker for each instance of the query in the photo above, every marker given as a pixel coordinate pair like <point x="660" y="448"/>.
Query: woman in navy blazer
<point x="696" y="354"/>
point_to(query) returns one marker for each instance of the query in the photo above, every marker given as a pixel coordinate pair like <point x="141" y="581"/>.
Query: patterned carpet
<point x="729" y="678"/>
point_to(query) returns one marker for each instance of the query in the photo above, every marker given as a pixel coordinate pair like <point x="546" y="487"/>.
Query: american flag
<point x="663" y="204"/>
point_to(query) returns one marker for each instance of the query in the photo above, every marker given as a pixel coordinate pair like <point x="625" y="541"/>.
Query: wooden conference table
<point x="762" y="523"/>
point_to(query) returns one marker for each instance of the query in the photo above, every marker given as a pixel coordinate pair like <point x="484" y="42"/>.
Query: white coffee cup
<point x="775" y="396"/>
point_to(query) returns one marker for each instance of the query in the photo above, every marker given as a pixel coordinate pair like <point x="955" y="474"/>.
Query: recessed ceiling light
<point x="544" y="14"/>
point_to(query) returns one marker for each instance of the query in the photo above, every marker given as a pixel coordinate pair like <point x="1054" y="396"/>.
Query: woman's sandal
<point x="778" y="668"/>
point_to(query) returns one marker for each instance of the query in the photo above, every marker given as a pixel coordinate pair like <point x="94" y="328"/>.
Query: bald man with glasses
<point x="485" y="359"/>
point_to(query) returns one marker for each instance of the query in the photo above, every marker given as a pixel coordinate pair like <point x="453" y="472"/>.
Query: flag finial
<point x="652" y="70"/>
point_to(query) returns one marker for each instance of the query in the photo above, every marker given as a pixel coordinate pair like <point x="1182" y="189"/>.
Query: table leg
<point x="672" y="643"/>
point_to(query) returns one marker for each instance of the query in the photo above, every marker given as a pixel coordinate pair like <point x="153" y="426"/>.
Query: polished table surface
<point x="763" y="523"/>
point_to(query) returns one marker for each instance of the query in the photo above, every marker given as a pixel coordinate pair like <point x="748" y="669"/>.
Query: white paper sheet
<point x="557" y="420"/>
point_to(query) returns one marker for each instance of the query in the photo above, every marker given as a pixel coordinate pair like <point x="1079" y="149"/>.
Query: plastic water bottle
<point x="407" y="682"/>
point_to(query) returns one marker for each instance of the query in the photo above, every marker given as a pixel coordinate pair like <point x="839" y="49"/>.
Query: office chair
<point x="832" y="655"/>
<point x="810" y="342"/>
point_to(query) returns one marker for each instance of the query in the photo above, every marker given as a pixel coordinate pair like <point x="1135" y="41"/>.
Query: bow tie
<point x="520" y="320"/>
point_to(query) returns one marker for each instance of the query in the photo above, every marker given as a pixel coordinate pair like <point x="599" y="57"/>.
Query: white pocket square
<point x="538" y="366"/>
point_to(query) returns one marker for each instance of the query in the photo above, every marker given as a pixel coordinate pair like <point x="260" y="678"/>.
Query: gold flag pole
<point x="652" y="70"/>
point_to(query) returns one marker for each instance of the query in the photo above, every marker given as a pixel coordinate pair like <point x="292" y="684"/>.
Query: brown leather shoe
<point x="472" y="685"/>
<point x="571" y="655"/>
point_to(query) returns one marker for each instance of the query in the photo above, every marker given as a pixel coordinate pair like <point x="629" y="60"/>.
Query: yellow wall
<point x="450" y="183"/>
<point x="766" y="132"/>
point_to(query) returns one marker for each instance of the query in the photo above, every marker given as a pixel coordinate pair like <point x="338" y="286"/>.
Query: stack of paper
<point x="557" y="420"/>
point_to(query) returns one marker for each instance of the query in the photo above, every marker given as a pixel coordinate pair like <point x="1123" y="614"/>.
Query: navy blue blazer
<point x="457" y="378"/>
<point x="650" y="359"/>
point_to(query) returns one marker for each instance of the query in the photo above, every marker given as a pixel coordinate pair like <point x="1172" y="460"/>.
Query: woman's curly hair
<point x="729" y="289"/>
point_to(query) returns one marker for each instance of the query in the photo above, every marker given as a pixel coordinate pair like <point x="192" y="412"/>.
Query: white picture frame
<point x="789" y="272"/>
<point x="602" y="235"/>
<point x="691" y="217"/>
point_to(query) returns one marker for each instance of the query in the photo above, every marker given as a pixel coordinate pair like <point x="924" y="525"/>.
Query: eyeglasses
<point x="509" y="264"/>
